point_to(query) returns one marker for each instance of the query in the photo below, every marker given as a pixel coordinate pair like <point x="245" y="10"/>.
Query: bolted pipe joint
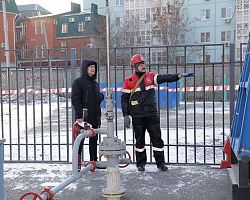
<point x="112" y="147"/>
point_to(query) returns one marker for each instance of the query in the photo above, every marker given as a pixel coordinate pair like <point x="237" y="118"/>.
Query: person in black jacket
<point x="86" y="95"/>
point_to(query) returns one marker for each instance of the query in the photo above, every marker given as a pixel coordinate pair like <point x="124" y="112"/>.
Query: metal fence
<point x="36" y="112"/>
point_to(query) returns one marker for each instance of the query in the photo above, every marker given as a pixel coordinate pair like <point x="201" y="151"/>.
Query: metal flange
<point x="112" y="147"/>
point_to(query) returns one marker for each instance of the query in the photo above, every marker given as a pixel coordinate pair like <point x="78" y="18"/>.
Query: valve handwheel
<point x="129" y="157"/>
<point x="33" y="194"/>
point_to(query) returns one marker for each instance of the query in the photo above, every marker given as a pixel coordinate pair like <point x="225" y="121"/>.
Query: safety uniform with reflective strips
<point x="142" y="107"/>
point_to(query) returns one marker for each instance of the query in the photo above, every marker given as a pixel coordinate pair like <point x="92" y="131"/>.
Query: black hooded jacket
<point x="86" y="94"/>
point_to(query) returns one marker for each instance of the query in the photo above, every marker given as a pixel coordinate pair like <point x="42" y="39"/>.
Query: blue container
<point x="167" y="99"/>
<point x="240" y="129"/>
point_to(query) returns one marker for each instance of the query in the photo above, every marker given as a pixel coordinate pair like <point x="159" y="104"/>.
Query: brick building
<point x="51" y="35"/>
<point x="11" y="14"/>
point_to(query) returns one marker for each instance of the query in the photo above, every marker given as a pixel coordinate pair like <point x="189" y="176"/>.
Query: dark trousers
<point x="92" y="148"/>
<point x="152" y="125"/>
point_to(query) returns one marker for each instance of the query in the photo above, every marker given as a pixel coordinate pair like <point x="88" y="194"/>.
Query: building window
<point x="24" y="52"/>
<point x="18" y="36"/>
<point x="205" y="37"/>
<point x="147" y="14"/>
<point x="138" y="39"/>
<point x="226" y="36"/>
<point x="159" y="59"/>
<point x="36" y="27"/>
<point x="164" y="10"/>
<point x="42" y="27"/>
<point x="127" y="15"/>
<point x="207" y="58"/>
<point x="63" y="44"/>
<point x="142" y="14"/>
<point x="43" y="51"/>
<point x="226" y="57"/>
<point x="81" y="26"/>
<point x="153" y="12"/>
<point x="205" y="14"/>
<point x="65" y="28"/>
<point x="87" y="18"/>
<point x="117" y="21"/>
<point x="24" y="28"/>
<point x="180" y="59"/>
<point x="246" y="5"/>
<point x="119" y="2"/>
<point x="132" y="42"/>
<point x="182" y="38"/>
<point x="154" y="57"/>
<point x="226" y="13"/>
<point x="137" y="3"/>
<point x="37" y="52"/>
<point x="137" y="15"/>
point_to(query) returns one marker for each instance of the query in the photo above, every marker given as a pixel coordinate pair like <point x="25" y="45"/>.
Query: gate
<point x="195" y="113"/>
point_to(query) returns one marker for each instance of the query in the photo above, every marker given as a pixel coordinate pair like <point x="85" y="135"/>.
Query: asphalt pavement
<point x="181" y="182"/>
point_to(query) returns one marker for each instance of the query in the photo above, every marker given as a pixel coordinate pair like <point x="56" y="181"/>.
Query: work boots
<point x="141" y="168"/>
<point x="163" y="167"/>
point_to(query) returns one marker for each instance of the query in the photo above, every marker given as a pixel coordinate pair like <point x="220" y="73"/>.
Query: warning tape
<point x="63" y="90"/>
<point x="43" y="91"/>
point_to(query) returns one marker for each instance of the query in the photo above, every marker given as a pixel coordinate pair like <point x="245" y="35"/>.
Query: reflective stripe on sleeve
<point x="149" y="87"/>
<point x="157" y="149"/>
<point x="140" y="150"/>
<point x="138" y="89"/>
<point x="155" y="78"/>
<point x="126" y="91"/>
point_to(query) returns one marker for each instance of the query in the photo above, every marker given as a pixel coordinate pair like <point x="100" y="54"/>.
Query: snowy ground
<point x="199" y="136"/>
<point x="179" y="183"/>
<point x="195" y="133"/>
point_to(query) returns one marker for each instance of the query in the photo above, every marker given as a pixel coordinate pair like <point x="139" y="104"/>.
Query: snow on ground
<point x="37" y="124"/>
<point x="190" y="137"/>
<point x="180" y="182"/>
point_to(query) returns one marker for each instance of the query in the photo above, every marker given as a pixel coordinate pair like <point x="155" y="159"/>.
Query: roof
<point x="31" y="8"/>
<point x="10" y="6"/>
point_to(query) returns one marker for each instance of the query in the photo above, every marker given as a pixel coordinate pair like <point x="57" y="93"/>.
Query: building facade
<point x="206" y="22"/>
<point x="11" y="14"/>
<point x="117" y="14"/>
<point x="86" y="28"/>
<point x="34" y="35"/>
<point x="52" y="35"/>
<point x="242" y="26"/>
<point x="211" y="22"/>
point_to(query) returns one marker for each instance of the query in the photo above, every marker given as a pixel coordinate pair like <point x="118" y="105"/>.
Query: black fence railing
<point x="36" y="112"/>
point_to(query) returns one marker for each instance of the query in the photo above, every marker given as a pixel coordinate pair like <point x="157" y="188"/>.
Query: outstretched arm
<point x="162" y="78"/>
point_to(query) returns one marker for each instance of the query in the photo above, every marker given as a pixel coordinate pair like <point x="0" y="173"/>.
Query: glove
<point x="188" y="74"/>
<point x="126" y="121"/>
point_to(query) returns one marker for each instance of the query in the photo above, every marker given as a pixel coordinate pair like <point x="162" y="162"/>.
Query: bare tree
<point x="158" y="23"/>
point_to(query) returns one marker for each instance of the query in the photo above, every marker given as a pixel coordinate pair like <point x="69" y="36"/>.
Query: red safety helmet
<point x="136" y="59"/>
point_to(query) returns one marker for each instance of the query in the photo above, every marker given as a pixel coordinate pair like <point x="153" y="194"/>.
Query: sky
<point x="54" y="6"/>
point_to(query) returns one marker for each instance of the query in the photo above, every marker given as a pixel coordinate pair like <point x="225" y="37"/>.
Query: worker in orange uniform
<point x="138" y="100"/>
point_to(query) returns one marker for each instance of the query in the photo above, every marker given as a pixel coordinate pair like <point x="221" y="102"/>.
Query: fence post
<point x="232" y="81"/>
<point x="1" y="169"/>
<point x="73" y="74"/>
